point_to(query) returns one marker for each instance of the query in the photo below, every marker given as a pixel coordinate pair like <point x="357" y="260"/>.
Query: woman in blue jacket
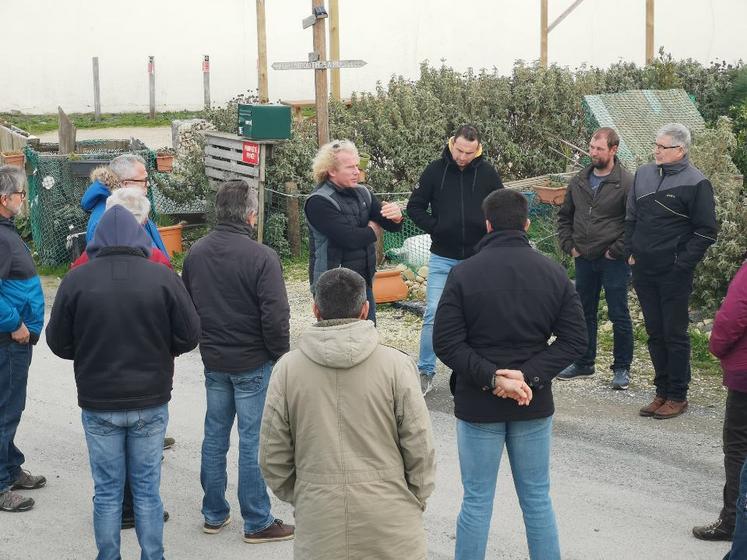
<point x="126" y="170"/>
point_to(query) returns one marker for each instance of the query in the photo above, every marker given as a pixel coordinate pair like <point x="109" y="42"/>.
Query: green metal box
<point x="265" y="122"/>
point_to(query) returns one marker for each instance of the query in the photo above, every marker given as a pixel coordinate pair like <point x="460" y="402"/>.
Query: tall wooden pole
<point x="334" y="45"/>
<point x="96" y="90"/>
<point x="320" y="79"/>
<point x="543" y="33"/>
<point x="206" y="80"/>
<point x="264" y="96"/>
<point x="649" y="31"/>
<point x="152" y="85"/>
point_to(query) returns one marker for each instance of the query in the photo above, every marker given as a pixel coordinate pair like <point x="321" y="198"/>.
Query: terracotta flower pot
<point x="172" y="238"/>
<point x="388" y="286"/>
<point x="14" y="158"/>
<point x="165" y="163"/>
<point x="551" y="195"/>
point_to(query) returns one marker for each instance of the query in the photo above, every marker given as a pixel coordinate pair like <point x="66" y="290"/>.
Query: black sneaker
<point x="573" y="371"/>
<point x="716" y="531"/>
<point x="211" y="529"/>
<point x="620" y="379"/>
<point x="128" y="522"/>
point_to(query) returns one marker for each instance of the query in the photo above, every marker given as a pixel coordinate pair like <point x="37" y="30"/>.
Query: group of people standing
<point x="338" y="427"/>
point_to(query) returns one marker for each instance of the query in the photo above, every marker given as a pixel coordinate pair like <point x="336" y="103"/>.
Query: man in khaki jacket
<point x="346" y="436"/>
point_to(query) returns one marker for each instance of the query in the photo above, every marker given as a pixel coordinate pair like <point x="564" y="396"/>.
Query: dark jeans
<point x="613" y="276"/>
<point x="735" y="451"/>
<point x="371" y="305"/>
<point x="15" y="360"/>
<point x="664" y="301"/>
<point x="739" y="544"/>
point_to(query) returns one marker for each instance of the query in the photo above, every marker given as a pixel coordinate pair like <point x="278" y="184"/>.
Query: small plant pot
<point x="165" y="163"/>
<point x="388" y="286"/>
<point x="14" y="158"/>
<point x="551" y="195"/>
<point x="172" y="238"/>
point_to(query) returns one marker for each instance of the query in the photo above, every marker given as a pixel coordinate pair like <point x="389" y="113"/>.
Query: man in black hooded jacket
<point x="122" y="319"/>
<point x="454" y="187"/>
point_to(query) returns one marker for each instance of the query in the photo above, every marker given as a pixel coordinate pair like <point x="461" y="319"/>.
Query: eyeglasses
<point x="22" y="194"/>
<point x="145" y="182"/>
<point x="660" y="147"/>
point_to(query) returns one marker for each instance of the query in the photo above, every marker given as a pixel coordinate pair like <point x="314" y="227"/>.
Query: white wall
<point x="54" y="42"/>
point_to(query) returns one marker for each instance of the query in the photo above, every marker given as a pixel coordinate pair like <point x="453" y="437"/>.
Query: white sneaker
<point x="426" y="382"/>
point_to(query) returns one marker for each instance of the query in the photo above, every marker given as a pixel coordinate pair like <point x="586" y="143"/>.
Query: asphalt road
<point x="624" y="487"/>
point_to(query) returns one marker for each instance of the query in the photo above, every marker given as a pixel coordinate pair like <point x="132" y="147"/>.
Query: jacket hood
<point x="119" y="228"/>
<point x="97" y="192"/>
<point x="339" y="344"/>
<point x="446" y="154"/>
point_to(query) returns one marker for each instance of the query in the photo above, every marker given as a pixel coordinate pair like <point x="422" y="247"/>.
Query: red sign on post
<point x="206" y="64"/>
<point x="250" y="153"/>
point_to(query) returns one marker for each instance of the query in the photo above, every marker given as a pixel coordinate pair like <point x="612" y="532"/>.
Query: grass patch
<point x="296" y="269"/>
<point x="37" y="124"/>
<point x="57" y="270"/>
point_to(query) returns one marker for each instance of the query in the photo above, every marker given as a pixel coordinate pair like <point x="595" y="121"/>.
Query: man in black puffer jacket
<point x="454" y="187"/>
<point x="498" y="310"/>
<point x="669" y="225"/>
<point x="123" y="319"/>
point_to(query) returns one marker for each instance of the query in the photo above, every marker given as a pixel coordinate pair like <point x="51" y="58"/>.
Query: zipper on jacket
<point x="461" y="190"/>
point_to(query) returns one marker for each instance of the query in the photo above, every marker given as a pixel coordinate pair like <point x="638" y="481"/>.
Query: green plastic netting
<point x="636" y="115"/>
<point x="56" y="185"/>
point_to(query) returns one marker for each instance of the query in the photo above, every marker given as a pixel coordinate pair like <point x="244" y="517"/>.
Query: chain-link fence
<point x="286" y="232"/>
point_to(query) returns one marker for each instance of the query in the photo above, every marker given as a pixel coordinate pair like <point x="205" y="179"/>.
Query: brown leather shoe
<point x="278" y="531"/>
<point x="651" y="408"/>
<point x="670" y="409"/>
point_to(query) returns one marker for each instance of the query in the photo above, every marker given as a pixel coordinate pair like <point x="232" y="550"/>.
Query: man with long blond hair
<point x="345" y="218"/>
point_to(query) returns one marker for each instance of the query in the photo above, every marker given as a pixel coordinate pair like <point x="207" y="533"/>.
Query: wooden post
<point x="649" y="31"/>
<point x="96" y="90"/>
<point x="152" y="85"/>
<point x="66" y="133"/>
<point x="261" y="193"/>
<point x="321" y="93"/>
<point x="294" y="220"/>
<point x="206" y="80"/>
<point x="264" y="95"/>
<point x="543" y="33"/>
<point x="334" y="46"/>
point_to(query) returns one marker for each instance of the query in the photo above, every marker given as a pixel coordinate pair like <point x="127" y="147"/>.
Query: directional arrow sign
<point x="318" y="65"/>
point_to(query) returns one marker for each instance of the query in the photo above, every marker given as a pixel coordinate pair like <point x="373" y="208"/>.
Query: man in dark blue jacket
<point x="21" y="321"/>
<point x="453" y="188"/>
<point x="498" y="310"/>
<point x="669" y="224"/>
<point x="238" y="289"/>
<point x="123" y="319"/>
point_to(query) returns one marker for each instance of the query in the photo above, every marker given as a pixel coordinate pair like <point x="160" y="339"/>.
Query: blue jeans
<point x="438" y="271"/>
<point x="15" y="360"/>
<point x="126" y="443"/>
<point x="739" y="543"/>
<point x="480" y="450"/>
<point x="613" y="276"/>
<point x="240" y="395"/>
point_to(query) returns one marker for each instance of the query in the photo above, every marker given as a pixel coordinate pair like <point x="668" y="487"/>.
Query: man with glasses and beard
<point x="21" y="320"/>
<point x="591" y="228"/>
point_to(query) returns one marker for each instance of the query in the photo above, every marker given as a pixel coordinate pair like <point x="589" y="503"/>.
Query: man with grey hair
<point x="21" y="320"/>
<point x="136" y="202"/>
<point x="670" y="222"/>
<point x="346" y="436"/>
<point x="130" y="171"/>
<point x="238" y="289"/>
